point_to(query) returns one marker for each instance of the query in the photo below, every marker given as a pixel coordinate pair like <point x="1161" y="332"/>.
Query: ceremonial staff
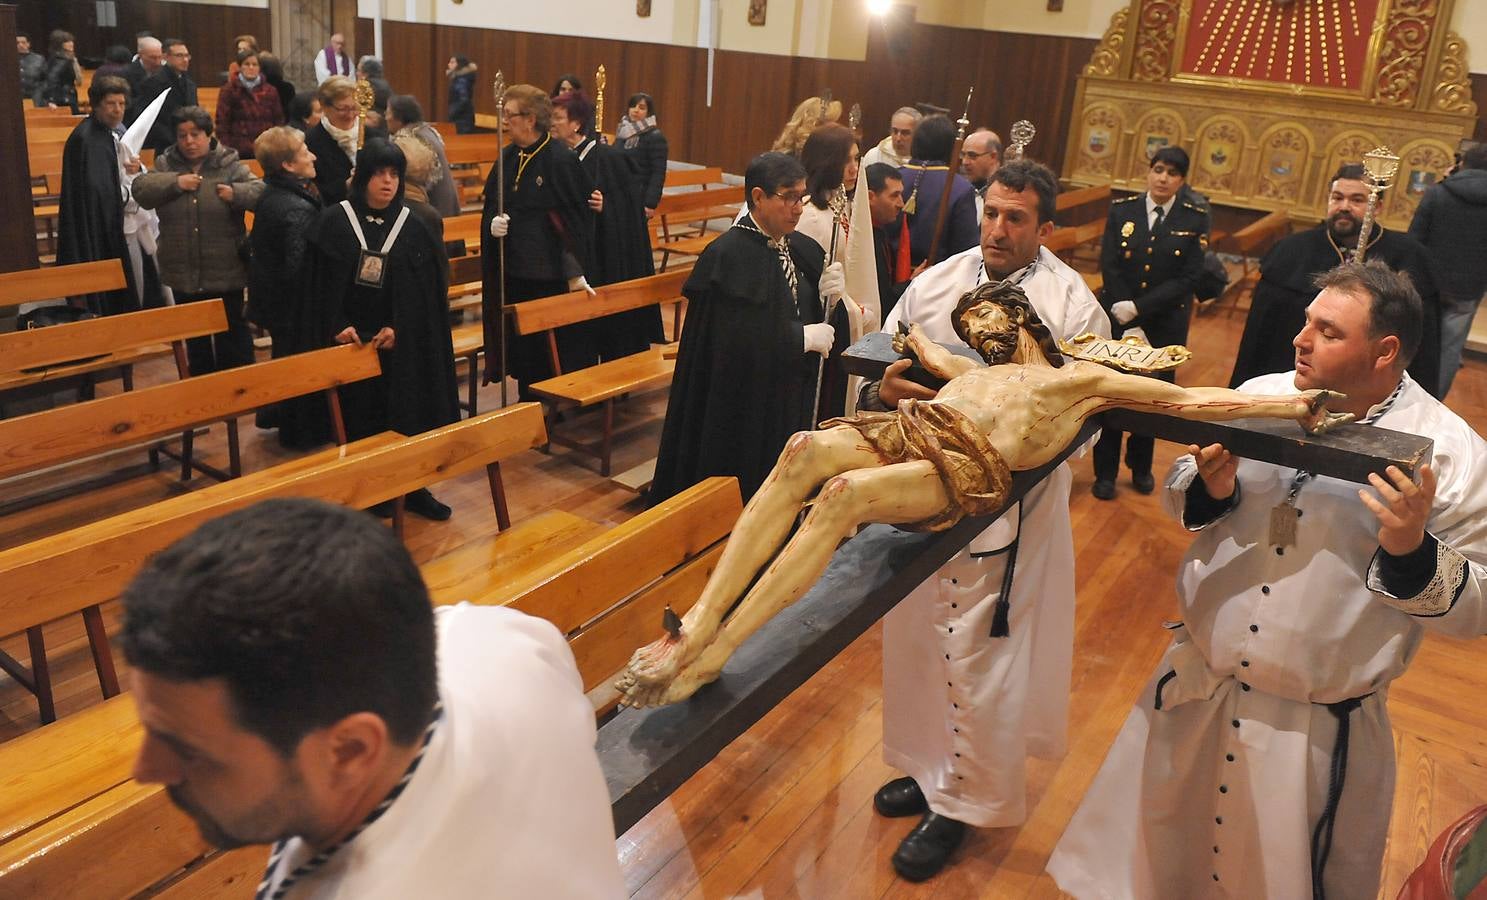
<point x="600" y="80"/>
<point x="493" y="321"/>
<point x="838" y="207"/>
<point x="365" y="97"/>
<point x="954" y="165"/>
<point x="825" y="105"/>
<point x="854" y="120"/>
<point x="1022" y="134"/>
<point x="1380" y="165"/>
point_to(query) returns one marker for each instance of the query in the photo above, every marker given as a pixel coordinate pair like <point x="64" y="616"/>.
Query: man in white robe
<point x="962" y="710"/>
<point x="296" y="687"/>
<point x="1259" y="762"/>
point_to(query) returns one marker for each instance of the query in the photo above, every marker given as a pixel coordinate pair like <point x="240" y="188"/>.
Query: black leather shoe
<point x="900" y="797"/>
<point x="1103" y="489"/>
<point x="1143" y="482"/>
<point x="927" y="848"/>
<point x="383" y="510"/>
<point x="422" y="503"/>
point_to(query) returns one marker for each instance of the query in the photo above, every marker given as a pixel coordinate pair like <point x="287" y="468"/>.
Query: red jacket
<point x="242" y="115"/>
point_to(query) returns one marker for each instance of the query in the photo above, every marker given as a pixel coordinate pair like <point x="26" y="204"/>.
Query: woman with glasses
<point x="746" y="372"/>
<point x="247" y="106"/>
<point x="337" y="138"/>
<point x="542" y="215"/>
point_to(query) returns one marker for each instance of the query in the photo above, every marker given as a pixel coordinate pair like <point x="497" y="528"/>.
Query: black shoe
<point x="422" y="503"/>
<point x="922" y="854"/>
<point x="383" y="510"/>
<point x="1103" y="489"/>
<point x="900" y="797"/>
<point x="1143" y="482"/>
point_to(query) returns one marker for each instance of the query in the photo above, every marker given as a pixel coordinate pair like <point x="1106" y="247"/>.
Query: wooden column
<point x="17" y="225"/>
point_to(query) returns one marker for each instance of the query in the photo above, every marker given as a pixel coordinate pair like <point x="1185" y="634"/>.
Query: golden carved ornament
<point x="1422" y="164"/>
<point x="1156" y="35"/>
<point x="1099" y="138"/>
<point x="1405" y="44"/>
<point x="1453" y="84"/>
<point x="1105" y="61"/>
<point x="1282" y="165"/>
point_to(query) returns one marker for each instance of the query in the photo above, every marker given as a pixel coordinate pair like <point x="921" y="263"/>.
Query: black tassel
<point x="999" y="626"/>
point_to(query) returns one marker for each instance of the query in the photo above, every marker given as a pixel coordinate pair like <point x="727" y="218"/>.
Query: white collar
<point x="1166" y="207"/>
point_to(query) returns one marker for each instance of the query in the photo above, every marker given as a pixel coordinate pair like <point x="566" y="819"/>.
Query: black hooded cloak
<point x="90" y="225"/>
<point x="744" y="382"/>
<point x="417" y="390"/>
<point x="622" y="248"/>
<point x="1278" y="306"/>
<point x="551" y="240"/>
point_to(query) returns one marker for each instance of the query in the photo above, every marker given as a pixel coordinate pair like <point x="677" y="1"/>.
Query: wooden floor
<point x="786" y="810"/>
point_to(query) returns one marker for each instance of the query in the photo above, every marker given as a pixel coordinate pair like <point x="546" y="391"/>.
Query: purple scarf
<point x="332" y="61"/>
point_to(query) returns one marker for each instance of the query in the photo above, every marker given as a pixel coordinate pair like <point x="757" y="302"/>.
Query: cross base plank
<point x="647" y="754"/>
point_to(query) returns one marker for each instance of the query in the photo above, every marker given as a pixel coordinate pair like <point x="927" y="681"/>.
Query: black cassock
<point x="622" y="248"/>
<point x="551" y="240"/>
<point x="744" y="382"/>
<point x="417" y="390"/>
<point x="90" y="225"/>
<point x="1278" y="307"/>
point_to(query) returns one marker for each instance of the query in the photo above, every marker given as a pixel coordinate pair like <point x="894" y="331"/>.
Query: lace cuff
<point x="1438" y="595"/>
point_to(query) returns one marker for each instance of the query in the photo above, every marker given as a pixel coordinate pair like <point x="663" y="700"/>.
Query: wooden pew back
<point x="56" y="436"/>
<point x="546" y="313"/>
<point x="37" y="347"/>
<point x="689" y="177"/>
<point x="31" y="285"/>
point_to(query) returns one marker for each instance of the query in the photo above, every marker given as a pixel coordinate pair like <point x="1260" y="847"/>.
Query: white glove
<point x="819" y="337"/>
<point x="580" y="283"/>
<point x="1123" y="311"/>
<point x="500" y="225"/>
<point x="833" y="281"/>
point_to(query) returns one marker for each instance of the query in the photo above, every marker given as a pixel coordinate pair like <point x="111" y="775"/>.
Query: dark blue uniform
<point x="1157" y="271"/>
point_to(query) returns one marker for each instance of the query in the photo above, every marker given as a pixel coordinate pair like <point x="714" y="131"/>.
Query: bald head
<point x="981" y="155"/>
<point x="151" y="53"/>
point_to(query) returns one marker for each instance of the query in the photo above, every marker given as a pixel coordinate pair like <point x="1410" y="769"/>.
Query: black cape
<point x="332" y="165"/>
<point x="1278" y="306"/>
<point x="90" y="225"/>
<point x="417" y="390"/>
<point x="743" y="381"/>
<point x="551" y="220"/>
<point x="622" y="248"/>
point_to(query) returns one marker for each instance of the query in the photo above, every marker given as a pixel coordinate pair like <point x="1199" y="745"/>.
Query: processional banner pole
<point x="495" y="324"/>
<point x="954" y="166"/>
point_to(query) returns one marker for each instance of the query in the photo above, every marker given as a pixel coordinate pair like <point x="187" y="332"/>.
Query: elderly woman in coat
<point x="200" y="190"/>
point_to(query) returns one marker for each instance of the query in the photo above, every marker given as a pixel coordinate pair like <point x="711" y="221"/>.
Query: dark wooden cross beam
<point x="1349" y="452"/>
<point x="648" y="754"/>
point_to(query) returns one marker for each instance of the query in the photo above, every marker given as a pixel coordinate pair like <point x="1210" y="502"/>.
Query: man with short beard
<point x="1278" y="307"/>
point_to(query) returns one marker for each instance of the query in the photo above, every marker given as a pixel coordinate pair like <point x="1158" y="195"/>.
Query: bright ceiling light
<point x="879" y="7"/>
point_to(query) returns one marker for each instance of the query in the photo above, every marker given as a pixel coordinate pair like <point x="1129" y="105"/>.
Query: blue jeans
<point x="1456" y="324"/>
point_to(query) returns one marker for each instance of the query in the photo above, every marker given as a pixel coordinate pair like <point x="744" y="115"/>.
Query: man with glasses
<point x="170" y="77"/>
<point x="980" y="156"/>
<point x="750" y="358"/>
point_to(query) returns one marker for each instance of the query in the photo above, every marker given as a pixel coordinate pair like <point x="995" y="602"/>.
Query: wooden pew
<point x="84" y="349"/>
<point x="601" y="384"/>
<point x="680" y="223"/>
<point x="54" y="282"/>
<point x="1250" y="243"/>
<point x="1082" y="197"/>
<point x="691" y="177"/>
<point x="65" y="793"/>
<point x="54" y="437"/>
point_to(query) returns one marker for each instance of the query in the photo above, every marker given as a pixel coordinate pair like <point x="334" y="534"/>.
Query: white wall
<point x="614" y="19"/>
<point x="251" y="4"/>
<point x="1470" y="21"/>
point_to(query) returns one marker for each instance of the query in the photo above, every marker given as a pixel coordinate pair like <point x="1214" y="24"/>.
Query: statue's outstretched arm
<point x="1214" y="404"/>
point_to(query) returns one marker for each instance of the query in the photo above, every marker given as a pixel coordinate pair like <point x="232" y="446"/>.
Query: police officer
<point x="1151" y="258"/>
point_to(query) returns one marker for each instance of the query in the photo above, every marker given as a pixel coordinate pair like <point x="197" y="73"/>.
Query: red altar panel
<point x="1320" y="43"/>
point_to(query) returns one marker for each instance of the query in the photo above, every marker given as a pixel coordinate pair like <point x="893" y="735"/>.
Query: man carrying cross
<point x="1259" y="761"/>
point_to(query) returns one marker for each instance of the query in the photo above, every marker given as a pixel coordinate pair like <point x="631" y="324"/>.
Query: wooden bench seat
<point x="55" y="282"/>
<point x="693" y="177"/>
<point x="1250" y="243"/>
<point x="45" y="355"/>
<point x="605" y="591"/>
<point x="602" y="385"/>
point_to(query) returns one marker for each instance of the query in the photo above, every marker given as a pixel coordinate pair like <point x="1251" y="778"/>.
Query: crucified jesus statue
<point x="922" y="467"/>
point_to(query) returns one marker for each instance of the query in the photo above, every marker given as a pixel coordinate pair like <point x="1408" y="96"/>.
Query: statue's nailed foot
<point x="654" y="667"/>
<point x="1318" y="419"/>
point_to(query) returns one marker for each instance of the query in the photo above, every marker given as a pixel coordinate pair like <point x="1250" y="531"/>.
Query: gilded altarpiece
<point x="1269" y="97"/>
